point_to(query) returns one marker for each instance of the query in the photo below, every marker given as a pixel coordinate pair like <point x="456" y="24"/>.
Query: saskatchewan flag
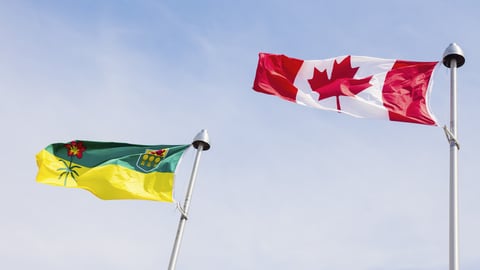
<point x="112" y="171"/>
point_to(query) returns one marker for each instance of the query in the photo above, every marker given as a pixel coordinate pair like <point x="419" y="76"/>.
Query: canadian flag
<point x="360" y="86"/>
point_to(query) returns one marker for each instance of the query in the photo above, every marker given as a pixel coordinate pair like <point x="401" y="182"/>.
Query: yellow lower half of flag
<point x="108" y="182"/>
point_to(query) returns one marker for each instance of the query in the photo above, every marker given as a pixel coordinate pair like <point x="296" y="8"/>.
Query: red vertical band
<point x="275" y="75"/>
<point x="405" y="92"/>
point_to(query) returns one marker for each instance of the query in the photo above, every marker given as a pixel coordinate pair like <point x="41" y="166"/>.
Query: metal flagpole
<point x="201" y="143"/>
<point x="453" y="58"/>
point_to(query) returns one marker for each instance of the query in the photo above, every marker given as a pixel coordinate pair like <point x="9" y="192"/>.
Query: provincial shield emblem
<point x="150" y="160"/>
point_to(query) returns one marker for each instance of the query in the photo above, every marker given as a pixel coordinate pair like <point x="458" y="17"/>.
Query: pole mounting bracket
<point x="450" y="137"/>
<point x="182" y="211"/>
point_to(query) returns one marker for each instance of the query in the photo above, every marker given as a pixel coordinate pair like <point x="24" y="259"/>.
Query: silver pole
<point x="453" y="239"/>
<point x="453" y="58"/>
<point x="201" y="143"/>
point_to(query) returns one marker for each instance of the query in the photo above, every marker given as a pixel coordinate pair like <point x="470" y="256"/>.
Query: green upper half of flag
<point x="142" y="158"/>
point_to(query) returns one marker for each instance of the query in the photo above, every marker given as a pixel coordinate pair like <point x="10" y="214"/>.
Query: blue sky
<point x="283" y="186"/>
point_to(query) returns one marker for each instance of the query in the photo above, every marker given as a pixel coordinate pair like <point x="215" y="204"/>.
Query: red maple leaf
<point x="341" y="82"/>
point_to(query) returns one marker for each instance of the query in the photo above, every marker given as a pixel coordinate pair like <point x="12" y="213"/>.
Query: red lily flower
<point x="75" y="148"/>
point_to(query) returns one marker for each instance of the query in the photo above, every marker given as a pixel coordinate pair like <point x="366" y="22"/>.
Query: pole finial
<point x="453" y="51"/>
<point x="202" y="139"/>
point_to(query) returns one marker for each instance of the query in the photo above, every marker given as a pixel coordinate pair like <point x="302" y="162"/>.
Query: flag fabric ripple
<point x="359" y="86"/>
<point x="111" y="170"/>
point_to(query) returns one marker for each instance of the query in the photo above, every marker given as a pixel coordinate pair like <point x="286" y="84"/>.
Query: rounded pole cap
<point x="453" y="51"/>
<point x="201" y="139"/>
